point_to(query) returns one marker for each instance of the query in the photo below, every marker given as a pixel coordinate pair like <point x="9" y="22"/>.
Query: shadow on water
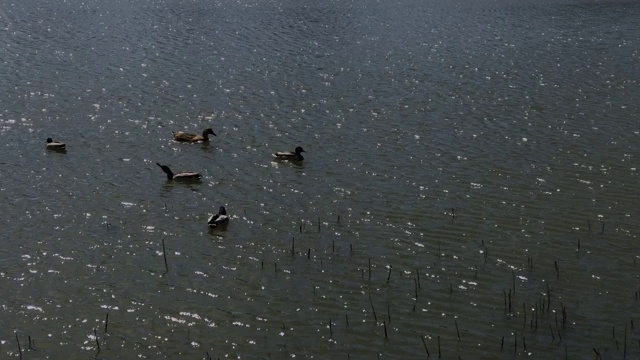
<point x="56" y="151"/>
<point x="220" y="232"/>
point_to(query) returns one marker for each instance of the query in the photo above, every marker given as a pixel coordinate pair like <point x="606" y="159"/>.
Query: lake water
<point x="469" y="189"/>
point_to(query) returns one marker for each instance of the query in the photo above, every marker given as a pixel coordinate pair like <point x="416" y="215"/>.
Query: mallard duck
<point x="187" y="137"/>
<point x="219" y="219"/>
<point x="290" y="155"/>
<point x="55" y="145"/>
<point x="183" y="176"/>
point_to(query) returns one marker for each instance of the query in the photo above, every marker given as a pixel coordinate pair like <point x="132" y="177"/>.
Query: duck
<point x="55" y="145"/>
<point x="220" y="219"/>
<point x="290" y="155"/>
<point x="182" y="176"/>
<point x="187" y="137"/>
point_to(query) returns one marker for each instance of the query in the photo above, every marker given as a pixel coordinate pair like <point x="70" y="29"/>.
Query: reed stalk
<point x="386" y="336"/>
<point x="330" y="329"/>
<point x="164" y="253"/>
<point x="372" y="308"/>
<point x="95" y="333"/>
<point x="425" y="345"/>
<point x="19" y="348"/>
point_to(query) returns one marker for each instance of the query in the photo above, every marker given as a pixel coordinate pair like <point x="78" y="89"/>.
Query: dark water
<point x="522" y="117"/>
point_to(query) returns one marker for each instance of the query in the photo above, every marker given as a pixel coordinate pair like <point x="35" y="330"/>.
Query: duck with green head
<point x="290" y="155"/>
<point x="220" y="219"/>
<point x="55" y="145"/>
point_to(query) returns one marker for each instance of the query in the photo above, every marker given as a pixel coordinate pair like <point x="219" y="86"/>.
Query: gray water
<point x="471" y="178"/>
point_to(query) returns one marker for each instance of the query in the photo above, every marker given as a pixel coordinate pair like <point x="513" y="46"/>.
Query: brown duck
<point x="187" y="137"/>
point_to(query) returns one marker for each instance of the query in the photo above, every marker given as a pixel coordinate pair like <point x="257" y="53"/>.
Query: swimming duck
<point x="187" y="137"/>
<point x="290" y="155"/>
<point x="183" y="176"/>
<point x="55" y="145"/>
<point x="219" y="219"/>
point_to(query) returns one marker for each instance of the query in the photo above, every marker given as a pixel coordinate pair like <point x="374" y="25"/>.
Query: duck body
<point x="55" y="145"/>
<point x="187" y="137"/>
<point x="182" y="176"/>
<point x="290" y="155"/>
<point x="218" y="220"/>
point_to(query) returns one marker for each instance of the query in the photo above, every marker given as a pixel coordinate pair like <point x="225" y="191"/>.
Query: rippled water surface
<point x="469" y="189"/>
